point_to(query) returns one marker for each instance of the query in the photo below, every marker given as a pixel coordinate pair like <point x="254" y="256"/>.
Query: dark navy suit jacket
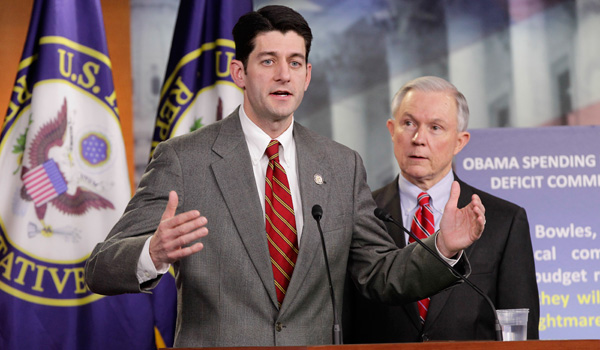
<point x="502" y="266"/>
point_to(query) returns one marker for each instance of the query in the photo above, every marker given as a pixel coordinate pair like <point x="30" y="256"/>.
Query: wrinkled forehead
<point x="430" y="104"/>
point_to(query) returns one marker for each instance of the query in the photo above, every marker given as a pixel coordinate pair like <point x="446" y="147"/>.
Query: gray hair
<point x="435" y="84"/>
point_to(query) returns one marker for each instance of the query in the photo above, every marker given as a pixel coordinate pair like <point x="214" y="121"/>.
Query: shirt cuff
<point x="451" y="262"/>
<point x="146" y="270"/>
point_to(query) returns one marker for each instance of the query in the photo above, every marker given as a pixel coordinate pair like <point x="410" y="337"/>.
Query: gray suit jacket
<point x="226" y="293"/>
<point x="502" y="267"/>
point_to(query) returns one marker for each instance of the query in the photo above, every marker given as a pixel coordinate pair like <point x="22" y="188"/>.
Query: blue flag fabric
<point x="198" y="88"/>
<point x="64" y="183"/>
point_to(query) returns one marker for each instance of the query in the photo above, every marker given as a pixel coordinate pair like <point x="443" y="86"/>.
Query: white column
<point x="152" y="25"/>
<point x="532" y="90"/>
<point x="359" y="82"/>
<point x="586" y="74"/>
<point x="467" y="56"/>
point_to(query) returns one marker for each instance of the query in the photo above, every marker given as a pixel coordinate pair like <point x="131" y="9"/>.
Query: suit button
<point x="424" y="337"/>
<point x="278" y="326"/>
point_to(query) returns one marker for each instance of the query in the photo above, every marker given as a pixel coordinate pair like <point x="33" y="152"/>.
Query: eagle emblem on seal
<point x="43" y="181"/>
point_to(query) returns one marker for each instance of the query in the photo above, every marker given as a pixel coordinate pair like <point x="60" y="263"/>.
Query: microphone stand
<point x="317" y="213"/>
<point x="384" y="216"/>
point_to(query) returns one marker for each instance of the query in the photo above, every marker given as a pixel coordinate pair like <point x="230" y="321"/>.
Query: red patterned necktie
<point x="423" y="226"/>
<point x="280" y="222"/>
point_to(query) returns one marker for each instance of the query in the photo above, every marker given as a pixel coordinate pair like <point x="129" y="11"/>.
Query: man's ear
<point x="463" y="139"/>
<point x="308" y="76"/>
<point x="390" y="125"/>
<point x="238" y="74"/>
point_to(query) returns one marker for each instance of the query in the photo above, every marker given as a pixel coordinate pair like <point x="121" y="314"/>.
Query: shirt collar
<point x="440" y="193"/>
<point x="258" y="140"/>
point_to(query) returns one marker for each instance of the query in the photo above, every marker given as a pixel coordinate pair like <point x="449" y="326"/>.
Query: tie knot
<point x="423" y="199"/>
<point x="273" y="150"/>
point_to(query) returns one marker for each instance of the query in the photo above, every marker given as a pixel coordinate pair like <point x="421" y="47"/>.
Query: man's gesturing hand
<point x="460" y="227"/>
<point x="169" y="242"/>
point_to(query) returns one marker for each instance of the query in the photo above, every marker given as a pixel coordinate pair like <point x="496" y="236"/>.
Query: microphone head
<point x="317" y="212"/>
<point x="382" y="214"/>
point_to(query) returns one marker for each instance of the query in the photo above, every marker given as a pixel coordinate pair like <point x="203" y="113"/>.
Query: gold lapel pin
<point x="318" y="179"/>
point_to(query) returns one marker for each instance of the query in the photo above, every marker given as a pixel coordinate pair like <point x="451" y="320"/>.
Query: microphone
<point x="385" y="216"/>
<point x="317" y="213"/>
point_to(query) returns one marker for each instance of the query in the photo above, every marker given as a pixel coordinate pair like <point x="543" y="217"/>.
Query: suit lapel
<point x="311" y="160"/>
<point x="235" y="178"/>
<point x="439" y="300"/>
<point x="389" y="199"/>
<point x="463" y="200"/>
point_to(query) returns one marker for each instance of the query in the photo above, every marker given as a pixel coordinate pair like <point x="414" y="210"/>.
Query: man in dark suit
<point x="258" y="278"/>
<point x="428" y="129"/>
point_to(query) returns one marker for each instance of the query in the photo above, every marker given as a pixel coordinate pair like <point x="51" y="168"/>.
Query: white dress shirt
<point x="258" y="141"/>
<point x="439" y="193"/>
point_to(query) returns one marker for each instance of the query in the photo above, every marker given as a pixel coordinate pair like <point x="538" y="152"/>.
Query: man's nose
<point x="283" y="72"/>
<point x="419" y="137"/>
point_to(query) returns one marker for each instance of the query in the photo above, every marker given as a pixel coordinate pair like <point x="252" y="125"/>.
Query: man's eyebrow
<point x="266" y="53"/>
<point x="440" y="121"/>
<point x="274" y="53"/>
<point x="298" y="55"/>
<point x="434" y="120"/>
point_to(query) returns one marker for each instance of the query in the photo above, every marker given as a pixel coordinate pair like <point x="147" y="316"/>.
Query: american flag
<point x="44" y="182"/>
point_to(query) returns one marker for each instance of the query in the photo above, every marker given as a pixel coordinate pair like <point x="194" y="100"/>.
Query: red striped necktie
<point x="280" y="222"/>
<point x="423" y="226"/>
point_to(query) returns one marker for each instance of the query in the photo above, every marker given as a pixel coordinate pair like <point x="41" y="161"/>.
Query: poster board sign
<point x="554" y="173"/>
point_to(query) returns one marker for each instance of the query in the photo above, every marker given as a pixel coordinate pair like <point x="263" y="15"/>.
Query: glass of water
<point x="514" y="323"/>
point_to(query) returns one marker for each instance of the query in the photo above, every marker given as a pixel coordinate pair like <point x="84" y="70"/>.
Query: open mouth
<point x="281" y="93"/>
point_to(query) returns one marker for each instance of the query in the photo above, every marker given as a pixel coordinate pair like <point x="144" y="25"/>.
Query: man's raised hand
<point x="460" y="227"/>
<point x="170" y="241"/>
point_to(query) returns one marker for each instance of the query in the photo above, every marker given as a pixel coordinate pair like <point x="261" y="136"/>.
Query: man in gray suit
<point x="227" y="295"/>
